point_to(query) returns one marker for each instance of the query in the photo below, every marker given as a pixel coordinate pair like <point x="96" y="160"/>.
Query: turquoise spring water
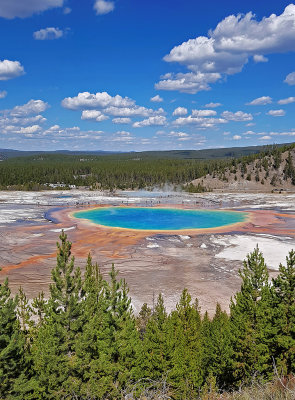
<point x="160" y="219"/>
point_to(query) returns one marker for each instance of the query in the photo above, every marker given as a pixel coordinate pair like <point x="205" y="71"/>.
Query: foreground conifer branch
<point x="84" y="341"/>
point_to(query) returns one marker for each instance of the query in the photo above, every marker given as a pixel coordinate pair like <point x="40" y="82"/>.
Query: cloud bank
<point x="94" y="106"/>
<point x="25" y="8"/>
<point x="228" y="48"/>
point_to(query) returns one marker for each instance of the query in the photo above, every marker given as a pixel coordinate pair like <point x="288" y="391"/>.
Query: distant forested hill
<point x="207" y="154"/>
<point x="181" y="154"/>
<point x="273" y="169"/>
<point x="10" y="153"/>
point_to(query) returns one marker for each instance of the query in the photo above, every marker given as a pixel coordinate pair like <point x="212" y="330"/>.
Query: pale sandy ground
<point x="207" y="264"/>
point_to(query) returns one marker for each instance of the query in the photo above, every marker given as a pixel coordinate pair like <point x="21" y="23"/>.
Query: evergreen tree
<point x="153" y="361"/>
<point x="12" y="343"/>
<point x="277" y="157"/>
<point x="93" y="363"/>
<point x="217" y="347"/>
<point x="207" y="345"/>
<point x="65" y="293"/>
<point x="124" y="334"/>
<point x="186" y="348"/>
<point x="143" y="319"/>
<point x="289" y="171"/>
<point x="52" y="350"/>
<point x="251" y="315"/>
<point x="39" y="305"/>
<point x="22" y="385"/>
<point x="106" y="350"/>
<point x="284" y="317"/>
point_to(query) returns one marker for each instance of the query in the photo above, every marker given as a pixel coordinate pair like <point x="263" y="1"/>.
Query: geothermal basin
<point x="151" y="254"/>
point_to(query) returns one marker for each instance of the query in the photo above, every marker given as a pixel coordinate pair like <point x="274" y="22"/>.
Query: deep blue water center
<point x="160" y="219"/>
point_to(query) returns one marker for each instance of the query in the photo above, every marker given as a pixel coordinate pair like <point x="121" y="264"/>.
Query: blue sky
<point x="138" y="75"/>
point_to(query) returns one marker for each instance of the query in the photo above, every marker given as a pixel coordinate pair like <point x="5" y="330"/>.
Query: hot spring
<point x="160" y="219"/>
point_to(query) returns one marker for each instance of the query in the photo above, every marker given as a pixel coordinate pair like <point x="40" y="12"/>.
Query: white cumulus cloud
<point x="23" y="120"/>
<point x="260" y="101"/>
<point x="3" y="94"/>
<point x="179" y="134"/>
<point x="116" y="106"/>
<point x="187" y="83"/>
<point x="213" y="105"/>
<point x="31" y="108"/>
<point x="30" y="129"/>
<point x="228" y="48"/>
<point x="237" y="137"/>
<point x="48" y="34"/>
<point x="103" y="7"/>
<point x="288" y="100"/>
<point x="276" y="113"/>
<point x="132" y="111"/>
<point x="156" y="99"/>
<point x="200" y="122"/>
<point x="122" y="120"/>
<point x="24" y="8"/>
<point x="96" y="115"/>
<point x="203" y="113"/>
<point x="10" y="69"/>
<point x="100" y="99"/>
<point x="259" y="58"/>
<point x="290" y="79"/>
<point x="237" y="116"/>
<point x="151" y="121"/>
<point x="179" y="111"/>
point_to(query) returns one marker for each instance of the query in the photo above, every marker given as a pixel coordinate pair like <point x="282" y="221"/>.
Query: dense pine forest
<point x="84" y="341"/>
<point x="132" y="170"/>
<point x="98" y="172"/>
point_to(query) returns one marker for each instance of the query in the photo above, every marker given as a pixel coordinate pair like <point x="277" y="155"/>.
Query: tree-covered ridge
<point x="84" y="341"/>
<point x="274" y="167"/>
<point x="128" y="171"/>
